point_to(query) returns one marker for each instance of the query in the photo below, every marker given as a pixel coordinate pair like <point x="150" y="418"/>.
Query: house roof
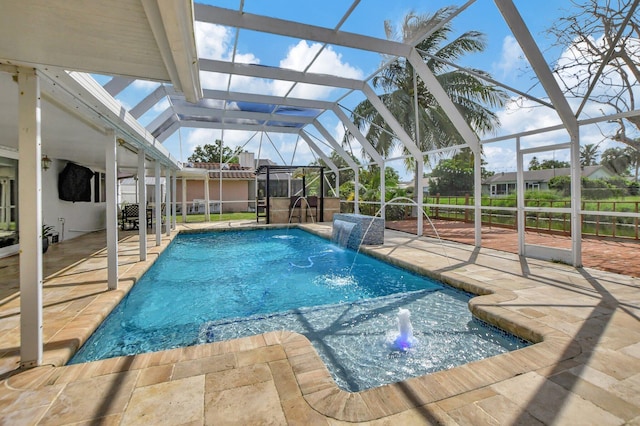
<point x="216" y="166"/>
<point x="544" y="175"/>
<point x="233" y="175"/>
<point x="230" y="171"/>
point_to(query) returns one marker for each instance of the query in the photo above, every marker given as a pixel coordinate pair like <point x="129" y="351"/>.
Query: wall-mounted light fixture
<point x="46" y="162"/>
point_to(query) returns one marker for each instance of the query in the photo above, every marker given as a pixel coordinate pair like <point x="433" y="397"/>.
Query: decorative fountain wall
<point x="352" y="230"/>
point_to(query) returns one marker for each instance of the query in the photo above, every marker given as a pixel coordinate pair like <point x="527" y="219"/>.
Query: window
<point x="503" y="188"/>
<point x="532" y="186"/>
<point x="99" y="187"/>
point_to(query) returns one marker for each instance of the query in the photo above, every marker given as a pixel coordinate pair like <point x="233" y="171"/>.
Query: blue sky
<point x="502" y="58"/>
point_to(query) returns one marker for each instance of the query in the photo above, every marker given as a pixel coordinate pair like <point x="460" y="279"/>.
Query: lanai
<point x="130" y="40"/>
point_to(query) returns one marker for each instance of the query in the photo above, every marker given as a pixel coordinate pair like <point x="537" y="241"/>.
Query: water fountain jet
<point x="405" y="339"/>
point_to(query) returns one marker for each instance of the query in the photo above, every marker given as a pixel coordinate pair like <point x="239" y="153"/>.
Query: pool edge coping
<point x="328" y="399"/>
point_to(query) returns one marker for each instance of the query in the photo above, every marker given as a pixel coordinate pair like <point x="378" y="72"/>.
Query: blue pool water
<point x="216" y="286"/>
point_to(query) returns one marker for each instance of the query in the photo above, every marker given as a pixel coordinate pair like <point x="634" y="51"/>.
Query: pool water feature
<point x="342" y="232"/>
<point x="216" y="286"/>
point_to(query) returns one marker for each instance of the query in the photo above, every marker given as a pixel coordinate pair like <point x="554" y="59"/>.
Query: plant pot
<point x="45" y="244"/>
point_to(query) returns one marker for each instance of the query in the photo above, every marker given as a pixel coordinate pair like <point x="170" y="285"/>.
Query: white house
<point x="505" y="183"/>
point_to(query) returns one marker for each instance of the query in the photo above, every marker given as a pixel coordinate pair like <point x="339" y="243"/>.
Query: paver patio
<point x="617" y="255"/>
<point x="584" y="368"/>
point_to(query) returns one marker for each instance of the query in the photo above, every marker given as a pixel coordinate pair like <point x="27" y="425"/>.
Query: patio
<point x="585" y="370"/>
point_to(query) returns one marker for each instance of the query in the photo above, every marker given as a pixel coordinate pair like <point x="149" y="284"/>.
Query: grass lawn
<point x="622" y="204"/>
<point x="216" y="217"/>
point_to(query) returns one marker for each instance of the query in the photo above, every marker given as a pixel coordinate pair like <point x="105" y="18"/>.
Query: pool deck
<point x="585" y="368"/>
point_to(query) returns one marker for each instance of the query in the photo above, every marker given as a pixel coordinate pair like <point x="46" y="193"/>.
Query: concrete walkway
<point x="583" y="369"/>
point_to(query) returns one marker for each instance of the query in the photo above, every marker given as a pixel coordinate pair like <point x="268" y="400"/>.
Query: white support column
<point x="356" y="193"/>
<point x="420" y="196"/>
<point x="30" y="218"/>
<point x="477" y="196"/>
<point x="521" y="214"/>
<point x="111" y="168"/>
<point x="167" y="201"/>
<point x="158" y="206"/>
<point x="383" y="189"/>
<point x="576" y="196"/>
<point x="142" y="205"/>
<point x="184" y="200"/>
<point x="174" y="178"/>
<point x="206" y="197"/>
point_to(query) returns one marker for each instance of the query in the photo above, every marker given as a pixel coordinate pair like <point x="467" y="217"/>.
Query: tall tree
<point x="210" y="153"/>
<point x="548" y="164"/>
<point x="454" y="176"/>
<point x="472" y="96"/>
<point x="634" y="160"/>
<point x="589" y="155"/>
<point x="616" y="159"/>
<point x="603" y="35"/>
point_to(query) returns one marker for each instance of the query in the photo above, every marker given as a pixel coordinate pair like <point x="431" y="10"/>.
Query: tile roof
<point x="233" y="174"/>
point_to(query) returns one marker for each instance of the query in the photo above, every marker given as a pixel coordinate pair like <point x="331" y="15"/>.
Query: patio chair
<point x="130" y="217"/>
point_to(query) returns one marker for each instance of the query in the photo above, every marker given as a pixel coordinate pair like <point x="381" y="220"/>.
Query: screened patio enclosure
<point x="126" y="87"/>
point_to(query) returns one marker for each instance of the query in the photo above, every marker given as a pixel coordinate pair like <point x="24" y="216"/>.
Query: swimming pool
<point x="216" y="286"/>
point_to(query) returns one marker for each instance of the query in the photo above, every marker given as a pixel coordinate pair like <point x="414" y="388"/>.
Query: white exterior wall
<point x="79" y="217"/>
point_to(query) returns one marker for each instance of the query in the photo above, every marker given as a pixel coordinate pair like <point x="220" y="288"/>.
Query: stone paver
<point x="584" y="367"/>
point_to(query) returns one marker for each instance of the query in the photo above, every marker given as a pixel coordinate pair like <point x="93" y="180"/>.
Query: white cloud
<point x="212" y="41"/>
<point x="499" y="158"/>
<point x="521" y="115"/>
<point x="511" y="57"/>
<point x="329" y="62"/>
<point x="215" y="42"/>
<point x="200" y="137"/>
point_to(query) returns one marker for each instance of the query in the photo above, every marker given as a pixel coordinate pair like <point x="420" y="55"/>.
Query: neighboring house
<point x="502" y="184"/>
<point x="410" y="185"/>
<point x="235" y="191"/>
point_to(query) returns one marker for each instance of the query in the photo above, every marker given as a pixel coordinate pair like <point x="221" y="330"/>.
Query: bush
<point x="592" y="189"/>
<point x="561" y="184"/>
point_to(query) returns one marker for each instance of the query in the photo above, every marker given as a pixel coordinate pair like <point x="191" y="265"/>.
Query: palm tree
<point x="588" y="155"/>
<point x="471" y="95"/>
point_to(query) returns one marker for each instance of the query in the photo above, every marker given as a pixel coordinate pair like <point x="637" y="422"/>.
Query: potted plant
<point x="47" y="231"/>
